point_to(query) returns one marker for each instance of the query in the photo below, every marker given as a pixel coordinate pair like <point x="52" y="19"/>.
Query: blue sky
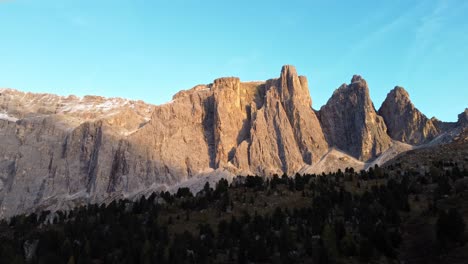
<point x="149" y="50"/>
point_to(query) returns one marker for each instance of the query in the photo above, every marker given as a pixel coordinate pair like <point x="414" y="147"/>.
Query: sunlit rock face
<point x="58" y="152"/>
<point x="55" y="149"/>
<point x="62" y="151"/>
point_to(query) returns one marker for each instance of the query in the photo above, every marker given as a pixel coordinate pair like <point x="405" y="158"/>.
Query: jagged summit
<point x="463" y="118"/>
<point x="351" y="124"/>
<point x="400" y="92"/>
<point x="288" y="68"/>
<point x="91" y="152"/>
<point x="60" y="151"/>
<point x="358" y="78"/>
<point x="404" y="121"/>
<point x="293" y="85"/>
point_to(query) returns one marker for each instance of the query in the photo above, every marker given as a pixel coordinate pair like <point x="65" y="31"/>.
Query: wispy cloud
<point x="430" y="24"/>
<point x="427" y="34"/>
<point x="367" y="41"/>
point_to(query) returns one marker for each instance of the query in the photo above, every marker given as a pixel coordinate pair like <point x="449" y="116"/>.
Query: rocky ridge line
<point x="58" y="152"/>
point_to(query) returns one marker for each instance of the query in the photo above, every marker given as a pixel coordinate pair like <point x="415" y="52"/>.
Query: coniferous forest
<point x="383" y="215"/>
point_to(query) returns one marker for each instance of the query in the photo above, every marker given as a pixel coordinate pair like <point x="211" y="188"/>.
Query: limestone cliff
<point x="59" y="152"/>
<point x="404" y="121"/>
<point x="91" y="149"/>
<point x="463" y="118"/>
<point x="351" y="123"/>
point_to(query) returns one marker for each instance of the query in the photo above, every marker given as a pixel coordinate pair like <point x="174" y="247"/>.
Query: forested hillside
<point x="343" y="217"/>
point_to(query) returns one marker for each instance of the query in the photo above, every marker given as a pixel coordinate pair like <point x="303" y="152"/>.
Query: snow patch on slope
<point x="5" y="116"/>
<point x="90" y="105"/>
<point x="25" y="104"/>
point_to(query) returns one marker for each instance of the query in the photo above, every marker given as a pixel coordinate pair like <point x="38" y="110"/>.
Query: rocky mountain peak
<point x="92" y="149"/>
<point x="358" y="82"/>
<point x="351" y="124"/>
<point x="400" y="96"/>
<point x="404" y="121"/>
<point x="297" y="104"/>
<point x="225" y="82"/>
<point x="266" y="127"/>
<point x="357" y="78"/>
<point x="293" y="87"/>
<point x="400" y="92"/>
<point x="463" y="118"/>
<point x="288" y="70"/>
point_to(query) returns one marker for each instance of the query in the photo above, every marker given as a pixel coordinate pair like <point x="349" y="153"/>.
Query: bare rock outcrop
<point x="463" y="118"/>
<point x="285" y="132"/>
<point x="273" y="147"/>
<point x="176" y="143"/>
<point x="231" y="119"/>
<point x="449" y="131"/>
<point x="55" y="149"/>
<point x="58" y="151"/>
<point x="298" y="105"/>
<point x="405" y="122"/>
<point x="350" y="122"/>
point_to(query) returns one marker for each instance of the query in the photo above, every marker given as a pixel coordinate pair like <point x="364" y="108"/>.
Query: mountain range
<point x="59" y="152"/>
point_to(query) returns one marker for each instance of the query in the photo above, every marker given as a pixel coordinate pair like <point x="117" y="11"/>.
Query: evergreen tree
<point x="450" y="227"/>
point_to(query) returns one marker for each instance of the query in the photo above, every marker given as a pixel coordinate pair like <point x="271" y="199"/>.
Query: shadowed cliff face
<point x="404" y="121"/>
<point x="351" y="124"/>
<point x="407" y="124"/>
<point x="463" y="118"/>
